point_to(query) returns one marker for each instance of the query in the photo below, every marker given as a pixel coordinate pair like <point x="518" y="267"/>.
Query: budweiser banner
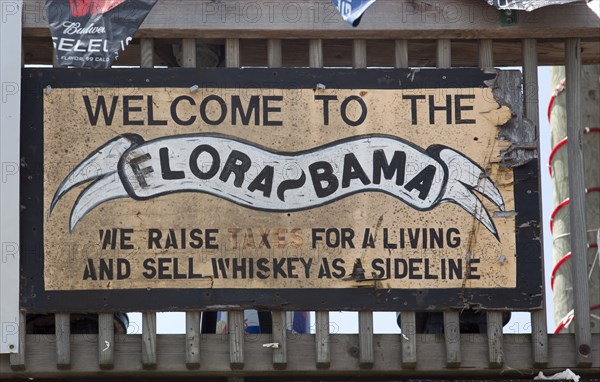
<point x="387" y="189"/>
<point x="92" y="33"/>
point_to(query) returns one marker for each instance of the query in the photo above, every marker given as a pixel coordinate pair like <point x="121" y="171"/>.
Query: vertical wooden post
<point x="149" y="340"/>
<point x="235" y="322"/>
<point x="62" y="328"/>
<point x="279" y="324"/>
<point x="539" y="327"/>
<point x="495" y="343"/>
<point x="188" y="50"/>
<point x="17" y="360"/>
<point x="322" y="339"/>
<point x="409" y="340"/>
<point x="192" y="340"/>
<point x="315" y="54"/>
<point x="280" y="337"/>
<point x="148" y="318"/>
<point x="274" y="53"/>
<point x="323" y="357"/>
<point x="106" y="340"/>
<point x="583" y="335"/>
<point x="451" y="319"/>
<point x="365" y="318"/>
<point x="401" y="54"/>
<point x="232" y="53"/>
<point x="408" y="337"/>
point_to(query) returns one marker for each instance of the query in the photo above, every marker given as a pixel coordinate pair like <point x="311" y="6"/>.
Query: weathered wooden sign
<point x="287" y="188"/>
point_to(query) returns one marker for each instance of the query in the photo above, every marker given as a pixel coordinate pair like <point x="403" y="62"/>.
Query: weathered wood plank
<point x="366" y="356"/>
<point x="400" y="54"/>
<point x="486" y="53"/>
<point x="62" y="328"/>
<point x="452" y="339"/>
<point x="149" y="340"/>
<point x="274" y="53"/>
<point x="41" y="359"/>
<point x="235" y="323"/>
<point x="359" y="54"/>
<point x="232" y="52"/>
<point x="17" y="360"/>
<point x="495" y="340"/>
<point x="444" y="53"/>
<point x="395" y="19"/>
<point x="577" y="212"/>
<point x="188" y="53"/>
<point x="539" y="326"/>
<point x="315" y="54"/>
<point x="147" y="53"/>
<point x="409" y="340"/>
<point x="192" y="340"/>
<point x="322" y="353"/>
<point x="279" y="338"/>
<point x="106" y="341"/>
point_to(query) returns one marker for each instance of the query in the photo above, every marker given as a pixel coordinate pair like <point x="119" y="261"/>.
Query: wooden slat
<point x="452" y="339"/>
<point x="401" y="54"/>
<point x="409" y="340"/>
<point x="322" y="353"/>
<point x="539" y="326"/>
<point x="62" y="328"/>
<point x="106" y="341"/>
<point x="235" y="323"/>
<point x="359" y="54"/>
<point x="279" y="338"/>
<point x="192" y="340"/>
<point x="315" y="54"/>
<point x="188" y="49"/>
<point x="444" y="56"/>
<point x="17" y="360"/>
<point x="149" y="340"/>
<point x="366" y="356"/>
<point x="232" y="52"/>
<point x="147" y="53"/>
<point x="577" y="212"/>
<point x="495" y="340"/>
<point x="486" y="53"/>
<point x="399" y="19"/>
<point x="274" y="53"/>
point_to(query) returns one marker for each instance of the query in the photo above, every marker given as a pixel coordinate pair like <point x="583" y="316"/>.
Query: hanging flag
<point x="92" y="33"/>
<point x="352" y="10"/>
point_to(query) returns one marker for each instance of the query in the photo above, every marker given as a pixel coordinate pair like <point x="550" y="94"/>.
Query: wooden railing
<point x="323" y="353"/>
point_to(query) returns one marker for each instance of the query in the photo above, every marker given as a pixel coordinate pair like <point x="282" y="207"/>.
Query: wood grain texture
<point x="41" y="359"/>
<point x="452" y="339"/>
<point x="323" y="351"/>
<point x="17" y="360"/>
<point x="192" y="340"/>
<point x="539" y="326"/>
<point x="106" y="341"/>
<point x="62" y="328"/>
<point x="235" y="323"/>
<point x="149" y="340"/>
<point x="366" y="355"/>
<point x="577" y="215"/>
<point x="279" y="338"/>
<point x="495" y="340"/>
<point x="409" y="340"/>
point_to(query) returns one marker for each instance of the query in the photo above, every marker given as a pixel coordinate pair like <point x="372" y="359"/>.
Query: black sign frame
<point x="528" y="294"/>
